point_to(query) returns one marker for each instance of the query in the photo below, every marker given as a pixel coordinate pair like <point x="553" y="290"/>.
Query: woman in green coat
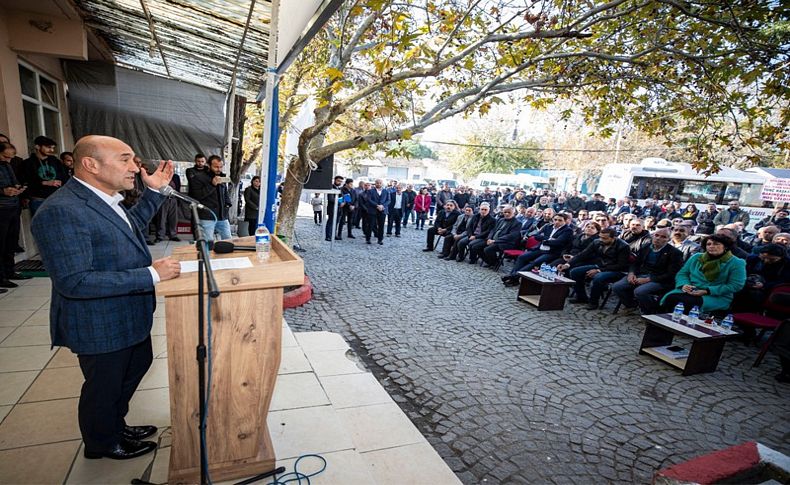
<point x="708" y="280"/>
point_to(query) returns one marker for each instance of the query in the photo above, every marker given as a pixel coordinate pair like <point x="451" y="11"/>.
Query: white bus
<point x="657" y="178"/>
<point x="521" y="180"/>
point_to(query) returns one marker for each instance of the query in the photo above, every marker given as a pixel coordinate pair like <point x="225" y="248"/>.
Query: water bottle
<point x="727" y="322"/>
<point x="263" y="243"/>
<point x="543" y="270"/>
<point x="694" y="315"/>
<point x="553" y="273"/>
<point x="677" y="314"/>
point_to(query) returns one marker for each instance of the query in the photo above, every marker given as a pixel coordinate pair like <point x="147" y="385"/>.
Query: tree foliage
<point x="700" y="74"/>
<point x="494" y="152"/>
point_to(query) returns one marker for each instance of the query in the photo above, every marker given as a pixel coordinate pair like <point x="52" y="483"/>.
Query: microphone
<point x="224" y="247"/>
<point x="167" y="190"/>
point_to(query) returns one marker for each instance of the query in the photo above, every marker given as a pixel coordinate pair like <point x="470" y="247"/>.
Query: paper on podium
<point x="217" y="264"/>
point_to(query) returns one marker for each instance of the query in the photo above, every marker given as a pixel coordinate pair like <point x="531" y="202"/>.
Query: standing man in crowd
<point x="395" y="210"/>
<point x="377" y="201"/>
<point x="731" y="215"/>
<point x="103" y="287"/>
<point x="330" y="226"/>
<point x="191" y="172"/>
<point x="252" y="196"/>
<point x="211" y="191"/>
<point x="10" y="191"/>
<point x="42" y="172"/>
<point x="408" y="209"/>
<point x="168" y="214"/>
<point x="347" y="208"/>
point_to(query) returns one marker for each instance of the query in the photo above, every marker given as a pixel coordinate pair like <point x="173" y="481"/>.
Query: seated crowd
<point x="652" y="258"/>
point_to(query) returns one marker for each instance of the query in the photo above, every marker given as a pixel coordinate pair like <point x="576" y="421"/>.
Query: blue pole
<point x="271" y="186"/>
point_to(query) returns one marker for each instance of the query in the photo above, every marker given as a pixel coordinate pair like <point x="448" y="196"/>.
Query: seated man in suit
<point x="477" y="231"/>
<point x="450" y="243"/>
<point x="506" y="235"/>
<point x="443" y="224"/>
<point x="651" y="275"/>
<point x="554" y="239"/>
<point x="103" y="286"/>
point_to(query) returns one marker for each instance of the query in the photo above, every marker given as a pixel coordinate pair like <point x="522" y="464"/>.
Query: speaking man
<point x="103" y="287"/>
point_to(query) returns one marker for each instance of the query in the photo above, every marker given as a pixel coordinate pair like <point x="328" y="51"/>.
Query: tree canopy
<point x="700" y="74"/>
<point x="493" y="152"/>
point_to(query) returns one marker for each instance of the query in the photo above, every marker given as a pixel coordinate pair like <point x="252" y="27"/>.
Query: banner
<point x="776" y="190"/>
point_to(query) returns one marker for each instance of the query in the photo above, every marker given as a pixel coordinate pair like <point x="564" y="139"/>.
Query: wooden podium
<point x="246" y="323"/>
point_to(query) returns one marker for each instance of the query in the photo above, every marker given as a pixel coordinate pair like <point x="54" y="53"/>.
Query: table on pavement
<point x="545" y="293"/>
<point x="706" y="348"/>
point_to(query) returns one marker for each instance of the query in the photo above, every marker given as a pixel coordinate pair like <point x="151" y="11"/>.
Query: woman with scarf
<point x="708" y="280"/>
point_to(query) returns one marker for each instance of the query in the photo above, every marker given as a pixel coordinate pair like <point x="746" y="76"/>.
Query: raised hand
<point x="160" y="177"/>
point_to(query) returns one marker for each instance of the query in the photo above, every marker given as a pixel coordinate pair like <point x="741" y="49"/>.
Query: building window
<point x="40" y="104"/>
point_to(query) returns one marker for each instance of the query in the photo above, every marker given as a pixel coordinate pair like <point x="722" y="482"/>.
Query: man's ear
<point x="90" y="164"/>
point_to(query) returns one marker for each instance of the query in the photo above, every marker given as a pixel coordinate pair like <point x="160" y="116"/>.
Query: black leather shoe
<point x="351" y="237"/>
<point x="328" y="239"/>
<point x="367" y="241"/>
<point x="19" y="276"/>
<point x="150" y="243"/>
<point x="138" y="432"/>
<point x="578" y="300"/>
<point x="427" y="250"/>
<point x="175" y="238"/>
<point x="8" y="284"/>
<point x="3" y="290"/>
<point x="124" y="450"/>
<point x="381" y="243"/>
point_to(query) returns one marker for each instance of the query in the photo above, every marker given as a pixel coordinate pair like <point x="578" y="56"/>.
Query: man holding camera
<point x="211" y="189"/>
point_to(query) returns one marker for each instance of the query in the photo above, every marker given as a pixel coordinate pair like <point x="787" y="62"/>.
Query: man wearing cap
<point x="42" y="172"/>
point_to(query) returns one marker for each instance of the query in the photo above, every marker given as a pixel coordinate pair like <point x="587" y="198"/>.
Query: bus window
<point x="747" y="194"/>
<point x="702" y="192"/>
<point x="650" y="187"/>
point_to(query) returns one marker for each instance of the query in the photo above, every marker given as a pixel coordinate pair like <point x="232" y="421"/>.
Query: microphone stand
<point x="204" y="260"/>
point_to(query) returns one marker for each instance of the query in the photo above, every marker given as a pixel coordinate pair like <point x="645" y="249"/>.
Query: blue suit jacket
<point x="374" y="199"/>
<point x="102" y="292"/>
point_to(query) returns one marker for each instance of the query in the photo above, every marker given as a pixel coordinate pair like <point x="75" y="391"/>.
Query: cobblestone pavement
<point x="510" y="395"/>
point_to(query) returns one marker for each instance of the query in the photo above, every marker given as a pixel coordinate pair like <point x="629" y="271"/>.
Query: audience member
<point x="778" y="218"/>
<point x="478" y="230"/>
<point x="10" y="192"/>
<point x="443" y="225"/>
<point x="733" y="213"/>
<point x="348" y="206"/>
<point x="553" y="240"/>
<point x="505" y="235"/>
<point x="604" y="261"/>
<point x="252" y="196"/>
<point x="210" y="190"/>
<point x="449" y="245"/>
<point x="42" y="172"/>
<point x="650" y="275"/>
<point x="708" y="280"/>
<point x="422" y="204"/>
<point x="680" y="240"/>
<point x="376" y="201"/>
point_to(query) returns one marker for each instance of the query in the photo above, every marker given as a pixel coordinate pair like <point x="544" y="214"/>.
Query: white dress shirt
<point x="114" y="201"/>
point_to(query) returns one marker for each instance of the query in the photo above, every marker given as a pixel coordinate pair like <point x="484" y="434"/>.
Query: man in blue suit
<point x="554" y="239"/>
<point x="103" y="286"/>
<point x="377" y="202"/>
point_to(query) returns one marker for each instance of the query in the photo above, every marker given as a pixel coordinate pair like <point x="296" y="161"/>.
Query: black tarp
<point x="159" y="118"/>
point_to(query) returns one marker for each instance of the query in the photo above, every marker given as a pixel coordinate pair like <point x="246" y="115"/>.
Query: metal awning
<point x="188" y="40"/>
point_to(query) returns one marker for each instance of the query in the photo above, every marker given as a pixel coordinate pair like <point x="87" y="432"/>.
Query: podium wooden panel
<point x="245" y="351"/>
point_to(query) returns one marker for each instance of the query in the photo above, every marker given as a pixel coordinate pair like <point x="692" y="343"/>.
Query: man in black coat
<point x="505" y="235"/>
<point x="377" y="201"/>
<point x="212" y="192"/>
<point x="347" y="208"/>
<point x="331" y="205"/>
<point x="555" y="238"/>
<point x="651" y="275"/>
<point x="636" y="236"/>
<point x="596" y="204"/>
<point x="409" y="195"/>
<point x="605" y="261"/>
<point x="443" y="224"/>
<point x="477" y="231"/>
<point x="450" y="244"/>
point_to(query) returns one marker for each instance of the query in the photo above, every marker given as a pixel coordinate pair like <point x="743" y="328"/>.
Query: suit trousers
<point x="346" y="218"/>
<point x="491" y="253"/>
<point x="375" y="225"/>
<point x="530" y="259"/>
<point x="110" y="382"/>
<point x="9" y="238"/>
<point x="476" y="248"/>
<point x="168" y="218"/>
<point x="328" y="229"/>
<point x="395" y="216"/>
